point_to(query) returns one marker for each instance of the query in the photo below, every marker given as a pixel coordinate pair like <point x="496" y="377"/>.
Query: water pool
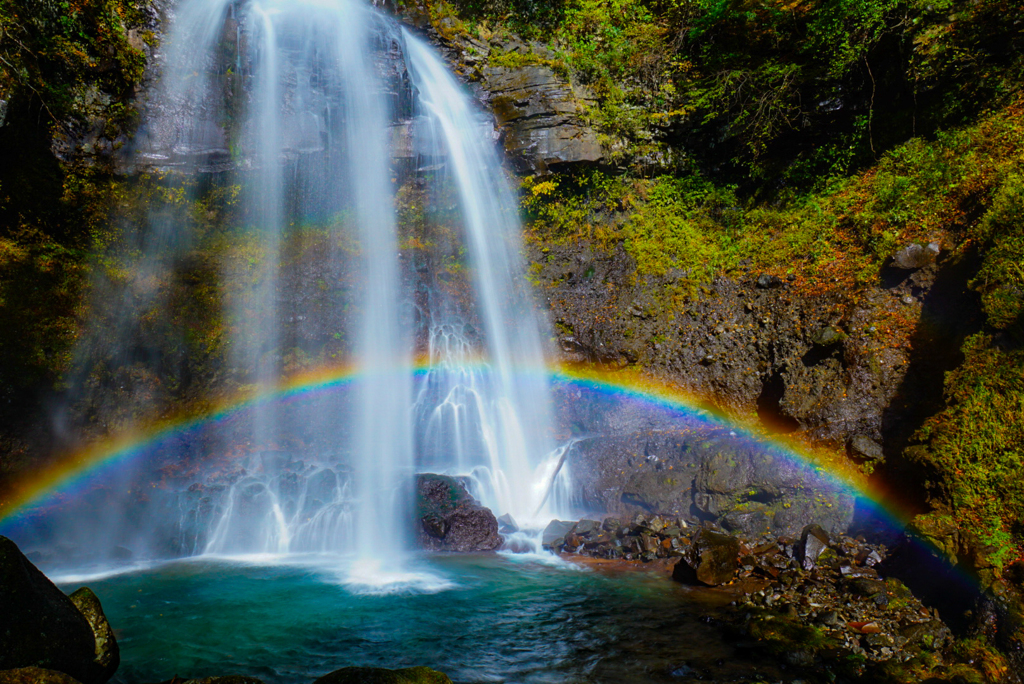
<point x="481" y="618"/>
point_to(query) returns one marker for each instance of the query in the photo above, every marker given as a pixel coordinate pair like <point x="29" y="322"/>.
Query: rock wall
<point x="854" y="369"/>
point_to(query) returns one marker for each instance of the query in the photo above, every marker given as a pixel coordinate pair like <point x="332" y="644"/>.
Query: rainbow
<point x="71" y="470"/>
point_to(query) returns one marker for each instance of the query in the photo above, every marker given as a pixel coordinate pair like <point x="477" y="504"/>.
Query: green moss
<point x="976" y="447"/>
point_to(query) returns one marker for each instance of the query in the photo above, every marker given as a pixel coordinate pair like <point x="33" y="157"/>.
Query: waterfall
<point x="334" y="120"/>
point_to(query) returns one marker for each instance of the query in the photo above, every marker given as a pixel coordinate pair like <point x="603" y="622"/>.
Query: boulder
<point x="507" y="524"/>
<point x="864" y="448"/>
<point x="35" y="675"/>
<point x="107" y="654"/>
<point x="451" y="519"/>
<point x="730" y="479"/>
<point x="711" y="559"/>
<point x="39" y="626"/>
<point x="915" y="256"/>
<point x="813" y="541"/>
<point x="554" y="534"/>
<point x="380" y="675"/>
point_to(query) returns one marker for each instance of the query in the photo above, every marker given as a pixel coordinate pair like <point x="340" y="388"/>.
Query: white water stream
<point x="305" y="114"/>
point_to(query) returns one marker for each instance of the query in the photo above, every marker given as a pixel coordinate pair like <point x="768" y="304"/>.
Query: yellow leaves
<point x="544" y="188"/>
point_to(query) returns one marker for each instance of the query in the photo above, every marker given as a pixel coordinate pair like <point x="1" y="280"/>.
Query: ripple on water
<point x="496" y="621"/>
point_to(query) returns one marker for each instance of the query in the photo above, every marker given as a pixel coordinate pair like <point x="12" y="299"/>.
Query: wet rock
<point x="39" y="625"/>
<point x="586" y="528"/>
<point x="554" y="534"/>
<point x="379" y="675"/>
<point x="813" y="541"/>
<point x="35" y="675"/>
<point x="507" y="524"/>
<point x="749" y="520"/>
<point x="712" y="559"/>
<point x="733" y="479"/>
<point x="611" y="525"/>
<point x="107" y="654"/>
<point x="767" y="282"/>
<point x="451" y="519"/>
<point x="915" y="256"/>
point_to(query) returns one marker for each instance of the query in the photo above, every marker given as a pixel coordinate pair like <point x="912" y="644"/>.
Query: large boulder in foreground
<point x="40" y="626"/>
<point x="379" y="675"/>
<point x="450" y="519"/>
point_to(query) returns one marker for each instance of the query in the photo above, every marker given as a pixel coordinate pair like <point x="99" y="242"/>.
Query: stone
<point x="866" y="587"/>
<point x="915" y="256"/>
<point x="828" y="336"/>
<point x="554" y="534"/>
<point x="585" y="528"/>
<point x="507" y="524"/>
<point x="107" y="654"/>
<point x="864" y="448"/>
<point x="813" y="541"/>
<point x="768" y="282"/>
<point x="711" y="559"/>
<point x="452" y="520"/>
<point x="379" y="675"/>
<point x="40" y="626"/>
<point x="611" y="525"/>
<point x="35" y="675"/>
<point x="749" y="521"/>
<point x="931" y="634"/>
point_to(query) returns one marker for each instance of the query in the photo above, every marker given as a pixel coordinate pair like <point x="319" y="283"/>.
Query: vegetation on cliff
<point x="60" y="61"/>
<point x="804" y="139"/>
<point x="812" y="140"/>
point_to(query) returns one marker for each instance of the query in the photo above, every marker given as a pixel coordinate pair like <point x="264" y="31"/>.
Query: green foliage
<point x="686" y="224"/>
<point x="55" y="48"/>
<point x="1001" y="277"/>
<point x="777" y="96"/>
<point x="977" y="445"/>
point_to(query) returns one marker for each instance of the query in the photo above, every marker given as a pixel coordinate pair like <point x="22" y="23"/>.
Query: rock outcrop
<point x="645" y="460"/>
<point x="855" y="368"/>
<point x="538" y="116"/>
<point x="450" y="519"/>
<point x="40" y="627"/>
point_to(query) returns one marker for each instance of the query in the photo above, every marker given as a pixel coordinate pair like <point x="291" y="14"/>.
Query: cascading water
<point x="495" y="422"/>
<point x="301" y="102"/>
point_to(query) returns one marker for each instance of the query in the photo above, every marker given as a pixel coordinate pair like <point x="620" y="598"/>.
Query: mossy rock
<point x="379" y="675"/>
<point x="39" y="626"/>
<point x="35" y="675"/>
<point x="107" y="653"/>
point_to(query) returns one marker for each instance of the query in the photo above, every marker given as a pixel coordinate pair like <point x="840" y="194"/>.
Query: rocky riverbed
<point x="832" y="607"/>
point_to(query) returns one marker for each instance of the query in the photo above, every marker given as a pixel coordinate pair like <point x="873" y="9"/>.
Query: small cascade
<point x="283" y="506"/>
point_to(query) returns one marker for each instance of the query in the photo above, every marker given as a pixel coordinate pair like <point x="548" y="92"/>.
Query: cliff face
<point x="793" y="238"/>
